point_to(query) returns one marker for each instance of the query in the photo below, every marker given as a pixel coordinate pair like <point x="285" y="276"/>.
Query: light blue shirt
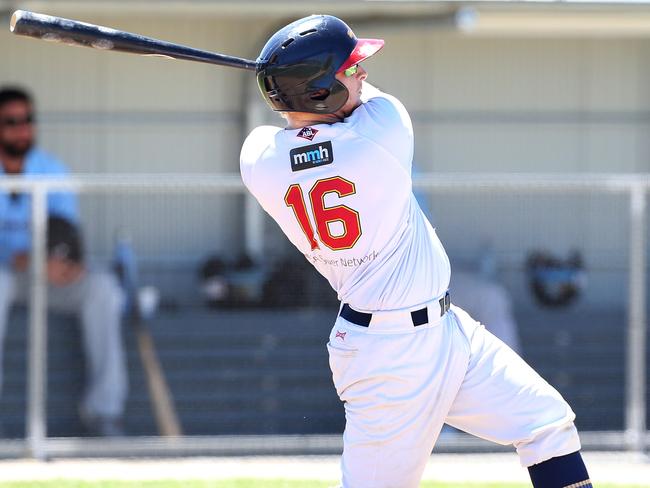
<point x="15" y="212"/>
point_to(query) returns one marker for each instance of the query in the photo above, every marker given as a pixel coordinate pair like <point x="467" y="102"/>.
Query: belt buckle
<point x="445" y="303"/>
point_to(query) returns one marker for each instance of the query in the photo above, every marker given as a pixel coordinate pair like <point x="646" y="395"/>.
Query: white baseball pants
<point x="97" y="300"/>
<point x="400" y="383"/>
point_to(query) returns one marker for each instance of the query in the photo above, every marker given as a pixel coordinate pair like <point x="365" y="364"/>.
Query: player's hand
<point x="61" y="272"/>
<point x="20" y="261"/>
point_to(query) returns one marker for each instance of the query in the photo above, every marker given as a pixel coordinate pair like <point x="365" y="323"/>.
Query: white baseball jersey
<point x="342" y="194"/>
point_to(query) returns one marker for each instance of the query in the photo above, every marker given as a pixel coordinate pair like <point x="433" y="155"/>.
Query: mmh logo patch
<point x="312" y="156"/>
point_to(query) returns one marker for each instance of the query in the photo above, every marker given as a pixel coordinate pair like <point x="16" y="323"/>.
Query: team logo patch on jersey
<point x="313" y="156"/>
<point x="307" y="133"/>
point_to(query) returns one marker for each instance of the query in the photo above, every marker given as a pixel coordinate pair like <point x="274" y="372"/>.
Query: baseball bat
<point x="76" y="33"/>
<point x="160" y="395"/>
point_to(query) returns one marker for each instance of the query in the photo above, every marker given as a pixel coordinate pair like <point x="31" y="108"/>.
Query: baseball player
<point x="337" y="180"/>
<point x="92" y="294"/>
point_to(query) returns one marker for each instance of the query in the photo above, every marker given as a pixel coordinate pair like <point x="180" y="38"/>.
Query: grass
<point x="242" y="483"/>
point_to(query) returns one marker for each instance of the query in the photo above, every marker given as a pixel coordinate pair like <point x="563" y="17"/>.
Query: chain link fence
<point x="241" y="338"/>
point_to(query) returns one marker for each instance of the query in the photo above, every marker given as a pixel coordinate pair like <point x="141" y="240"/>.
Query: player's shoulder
<point x="383" y="108"/>
<point x="42" y="162"/>
<point x="383" y="119"/>
<point x="257" y="142"/>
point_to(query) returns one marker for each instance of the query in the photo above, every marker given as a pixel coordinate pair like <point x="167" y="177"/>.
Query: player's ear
<point x="320" y="94"/>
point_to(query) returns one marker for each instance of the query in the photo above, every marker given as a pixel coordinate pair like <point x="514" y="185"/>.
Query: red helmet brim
<point x="363" y="50"/>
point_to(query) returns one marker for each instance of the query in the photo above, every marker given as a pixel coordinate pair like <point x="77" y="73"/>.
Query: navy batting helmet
<point x="296" y="68"/>
<point x="64" y="239"/>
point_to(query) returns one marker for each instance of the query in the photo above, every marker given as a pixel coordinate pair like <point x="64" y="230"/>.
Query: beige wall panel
<point x="499" y="74"/>
<point x="83" y="79"/>
<point x="186" y="148"/>
<point x="479" y="105"/>
<point x="402" y="68"/>
<point x="509" y="148"/>
<point x="616" y="77"/>
<point x="157" y="84"/>
<point x="546" y="148"/>
<point x="62" y="78"/>
<point x="616" y="148"/>
<point x="81" y="147"/>
<point x="445" y="72"/>
<point x="143" y="148"/>
<point x="113" y="112"/>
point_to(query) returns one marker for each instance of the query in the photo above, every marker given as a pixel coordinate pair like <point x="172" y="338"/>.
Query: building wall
<point x="478" y="105"/>
<point x="116" y="113"/>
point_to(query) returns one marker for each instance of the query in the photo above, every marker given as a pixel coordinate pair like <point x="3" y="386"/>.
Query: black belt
<point x="419" y="317"/>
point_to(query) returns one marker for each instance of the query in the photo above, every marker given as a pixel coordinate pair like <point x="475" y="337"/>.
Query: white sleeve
<point x="369" y="91"/>
<point x="383" y="119"/>
<point x="252" y="149"/>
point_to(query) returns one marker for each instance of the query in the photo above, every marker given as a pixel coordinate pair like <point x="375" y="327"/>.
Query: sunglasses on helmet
<point x="352" y="70"/>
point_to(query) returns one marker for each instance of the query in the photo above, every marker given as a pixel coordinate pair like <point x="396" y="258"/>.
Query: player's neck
<point x="11" y="165"/>
<point x="297" y="120"/>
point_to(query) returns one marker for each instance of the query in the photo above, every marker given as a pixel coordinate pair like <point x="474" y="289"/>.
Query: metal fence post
<point x="635" y="405"/>
<point x="37" y="356"/>
<point x="38" y="445"/>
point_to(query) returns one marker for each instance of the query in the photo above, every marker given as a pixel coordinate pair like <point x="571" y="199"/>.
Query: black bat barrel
<point x="76" y="33"/>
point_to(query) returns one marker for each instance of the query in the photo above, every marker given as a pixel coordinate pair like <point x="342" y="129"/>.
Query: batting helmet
<point x="64" y="240"/>
<point x="296" y="68"/>
<point x="554" y="281"/>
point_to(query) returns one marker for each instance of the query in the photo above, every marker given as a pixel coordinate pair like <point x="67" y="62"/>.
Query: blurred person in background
<point x="487" y="300"/>
<point x="94" y="296"/>
<point x="476" y="289"/>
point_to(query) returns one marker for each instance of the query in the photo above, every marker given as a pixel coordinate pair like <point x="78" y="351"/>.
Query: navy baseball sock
<point x="561" y="472"/>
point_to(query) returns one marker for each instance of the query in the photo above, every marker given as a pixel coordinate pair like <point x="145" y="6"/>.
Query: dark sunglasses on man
<point x="17" y="121"/>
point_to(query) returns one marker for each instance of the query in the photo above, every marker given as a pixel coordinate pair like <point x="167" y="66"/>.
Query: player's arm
<point x="369" y="91"/>
<point x="20" y="261"/>
<point x="62" y="204"/>
<point x="252" y="149"/>
<point x="383" y="119"/>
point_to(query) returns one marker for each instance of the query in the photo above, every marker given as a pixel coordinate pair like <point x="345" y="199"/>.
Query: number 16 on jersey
<point x="324" y="216"/>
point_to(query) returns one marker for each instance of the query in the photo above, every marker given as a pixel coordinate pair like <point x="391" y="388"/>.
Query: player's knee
<point x="552" y="441"/>
<point x="103" y="288"/>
